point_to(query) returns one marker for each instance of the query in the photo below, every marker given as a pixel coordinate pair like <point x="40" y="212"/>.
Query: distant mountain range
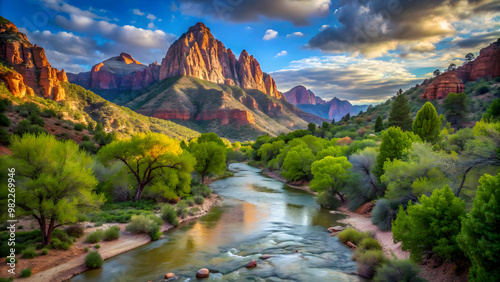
<point x="307" y="101"/>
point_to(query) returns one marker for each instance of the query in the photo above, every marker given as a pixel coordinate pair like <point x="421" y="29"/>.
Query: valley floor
<point x="61" y="265"/>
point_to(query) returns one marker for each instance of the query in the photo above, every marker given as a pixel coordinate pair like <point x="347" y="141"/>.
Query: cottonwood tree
<point x="297" y="163"/>
<point x="330" y="174"/>
<point x="210" y="158"/>
<point x="54" y="181"/>
<point x="149" y="156"/>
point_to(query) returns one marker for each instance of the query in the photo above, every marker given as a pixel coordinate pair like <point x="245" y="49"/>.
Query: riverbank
<point x="60" y="265"/>
<point x="296" y="185"/>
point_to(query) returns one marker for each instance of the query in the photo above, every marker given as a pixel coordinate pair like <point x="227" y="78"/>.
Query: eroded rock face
<point x="487" y="64"/>
<point x="197" y="53"/>
<point x="35" y="74"/>
<point x="224" y="116"/>
<point x="172" y="114"/>
<point x="299" y="95"/>
<point x="448" y="82"/>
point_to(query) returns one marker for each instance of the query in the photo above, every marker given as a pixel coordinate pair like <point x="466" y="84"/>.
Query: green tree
<point x="493" y="111"/>
<point x="330" y="174"/>
<point x="149" y="156"/>
<point x="312" y="127"/>
<point x="432" y="225"/>
<point x="456" y="106"/>
<point x="426" y="124"/>
<point x="394" y="143"/>
<point x="210" y="158"/>
<point x="480" y="236"/>
<point x="379" y="124"/>
<point x="210" y="137"/>
<point x="333" y="121"/>
<point x="54" y="181"/>
<point x="297" y="163"/>
<point x="400" y="114"/>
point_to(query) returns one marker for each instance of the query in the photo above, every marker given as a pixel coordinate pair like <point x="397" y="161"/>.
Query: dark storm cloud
<point x="296" y="11"/>
<point x="479" y="40"/>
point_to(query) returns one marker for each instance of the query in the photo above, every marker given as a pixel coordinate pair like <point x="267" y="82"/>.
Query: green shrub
<point x="4" y="137"/>
<point x="143" y="223"/>
<point x="76" y="231"/>
<point x="97" y="246"/>
<point x="93" y="260"/>
<point x="327" y="200"/>
<point x="57" y="244"/>
<point x="190" y="202"/>
<point x="85" y="138"/>
<point x="155" y="233"/>
<point x="384" y="212"/>
<point x="169" y="215"/>
<point x="94" y="237"/>
<point x="365" y="245"/>
<point x="181" y="208"/>
<point x="61" y="240"/>
<point x="45" y="251"/>
<point x="398" y="270"/>
<point x="82" y="217"/>
<point x="352" y="235"/>
<point x="86" y="249"/>
<point x="193" y="211"/>
<point x="483" y="90"/>
<point x="11" y="260"/>
<point x="369" y="261"/>
<point x="5" y="279"/>
<point x="29" y="252"/>
<point x="4" y="120"/>
<point x="79" y="127"/>
<point x="26" y="272"/>
<point x="112" y="233"/>
<point x="198" y="200"/>
<point x="201" y="190"/>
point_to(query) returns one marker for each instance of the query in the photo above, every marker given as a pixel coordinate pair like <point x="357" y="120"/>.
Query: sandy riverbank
<point x="61" y="265"/>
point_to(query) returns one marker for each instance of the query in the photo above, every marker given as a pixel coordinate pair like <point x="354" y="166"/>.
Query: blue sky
<point x="362" y="51"/>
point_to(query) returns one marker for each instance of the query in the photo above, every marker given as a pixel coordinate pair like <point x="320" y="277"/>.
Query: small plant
<point x="369" y="261"/>
<point x="11" y="260"/>
<point x="190" y="202"/>
<point x="97" y="246"/>
<point x="198" y="199"/>
<point x="94" y="237"/>
<point x="79" y="127"/>
<point x="45" y="251"/>
<point x="86" y="249"/>
<point x="29" y="252"/>
<point x="112" y="233"/>
<point x="352" y="235"/>
<point x="169" y="215"/>
<point x="365" y="245"/>
<point x="75" y="231"/>
<point x="20" y="227"/>
<point x="155" y="233"/>
<point x="398" y="270"/>
<point x="143" y="223"/>
<point x="26" y="272"/>
<point x="93" y="260"/>
<point x="193" y="211"/>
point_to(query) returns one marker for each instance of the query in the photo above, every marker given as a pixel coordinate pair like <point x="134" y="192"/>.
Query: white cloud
<point x="138" y="12"/>
<point x="248" y="28"/>
<point x="151" y="17"/>
<point x="270" y="34"/>
<point x="151" y="25"/>
<point x="282" y="53"/>
<point x="323" y="27"/>
<point x="295" y="34"/>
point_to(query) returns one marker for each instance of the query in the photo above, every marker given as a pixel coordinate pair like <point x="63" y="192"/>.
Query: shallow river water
<point x="259" y="215"/>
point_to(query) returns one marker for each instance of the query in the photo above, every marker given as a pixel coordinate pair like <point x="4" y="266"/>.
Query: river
<point x="259" y="215"/>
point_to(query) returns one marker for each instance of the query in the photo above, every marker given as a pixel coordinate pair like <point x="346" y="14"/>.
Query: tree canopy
<point x="427" y="123"/>
<point x="400" y="114"/>
<point x="330" y="173"/>
<point x="210" y="158"/>
<point x="456" y="107"/>
<point x="394" y="143"/>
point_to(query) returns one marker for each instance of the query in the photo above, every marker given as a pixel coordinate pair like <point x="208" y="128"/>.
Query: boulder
<point x="252" y="264"/>
<point x="169" y="275"/>
<point x="202" y="273"/>
<point x="351" y="245"/>
<point x="335" y="229"/>
<point x="264" y="257"/>
<point x="365" y="208"/>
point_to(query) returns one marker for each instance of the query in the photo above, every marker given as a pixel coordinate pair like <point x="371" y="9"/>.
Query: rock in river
<point x="252" y="264"/>
<point x="202" y="273"/>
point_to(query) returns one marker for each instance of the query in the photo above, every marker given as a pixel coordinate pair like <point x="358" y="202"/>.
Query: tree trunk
<point x="139" y="192"/>
<point x="43" y="230"/>
<point x="340" y="195"/>
<point x="457" y="194"/>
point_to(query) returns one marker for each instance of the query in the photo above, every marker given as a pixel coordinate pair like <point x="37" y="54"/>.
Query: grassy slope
<point x="197" y="96"/>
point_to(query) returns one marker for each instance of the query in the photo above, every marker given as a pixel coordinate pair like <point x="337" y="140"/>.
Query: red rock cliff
<point x="300" y="95"/>
<point x="487" y="64"/>
<point x="197" y="53"/>
<point x="37" y="75"/>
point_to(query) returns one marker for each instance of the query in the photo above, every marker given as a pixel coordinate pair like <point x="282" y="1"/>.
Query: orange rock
<point x="335" y="229"/>
<point x="169" y="275"/>
<point x="442" y="85"/>
<point x="202" y="273"/>
<point x="365" y="208"/>
<point x="252" y="264"/>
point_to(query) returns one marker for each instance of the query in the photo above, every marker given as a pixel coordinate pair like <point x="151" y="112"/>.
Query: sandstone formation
<point x="34" y="75"/>
<point x="487" y="64"/>
<point x="224" y="116"/>
<point x="300" y="95"/>
<point x="197" y="53"/>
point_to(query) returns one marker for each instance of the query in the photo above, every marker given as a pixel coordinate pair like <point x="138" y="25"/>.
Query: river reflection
<point x="259" y="215"/>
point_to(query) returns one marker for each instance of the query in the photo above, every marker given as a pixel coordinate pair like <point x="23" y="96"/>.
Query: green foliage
<point x="198" y="199"/>
<point x="4" y="137"/>
<point x="456" y="107"/>
<point x="169" y="214"/>
<point x="327" y="200"/>
<point x="86" y="249"/>
<point x="76" y="231"/>
<point x="210" y="158"/>
<point x="4" y="120"/>
<point x="493" y="112"/>
<point x="362" y="186"/>
<point x="97" y="246"/>
<point x="88" y="146"/>
<point x="431" y="226"/>
<point x="112" y="233"/>
<point x="384" y="213"/>
<point x="56" y="172"/>
<point x="369" y="261"/>
<point x="24" y="239"/>
<point x="330" y="174"/>
<point x="400" y="115"/>
<point x="190" y="202"/>
<point x="352" y="235"/>
<point x="79" y="127"/>
<point x="398" y="270"/>
<point x="148" y="224"/>
<point x="153" y="158"/>
<point x="311" y="127"/>
<point x="201" y="190"/>
<point x="94" y="237"/>
<point x="379" y="124"/>
<point x="154" y="233"/>
<point x="25" y="127"/>
<point x="479" y="237"/>
<point x="394" y="143"/>
<point x="427" y="124"/>
<point x="93" y="260"/>
<point x="297" y="164"/>
<point x="45" y="251"/>
<point x="29" y="252"/>
<point x="26" y="272"/>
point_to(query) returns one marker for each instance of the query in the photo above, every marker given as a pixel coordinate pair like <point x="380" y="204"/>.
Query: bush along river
<point x="258" y="215"/>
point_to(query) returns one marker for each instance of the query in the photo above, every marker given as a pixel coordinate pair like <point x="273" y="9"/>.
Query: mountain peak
<point x="199" y="28"/>
<point x="127" y="59"/>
